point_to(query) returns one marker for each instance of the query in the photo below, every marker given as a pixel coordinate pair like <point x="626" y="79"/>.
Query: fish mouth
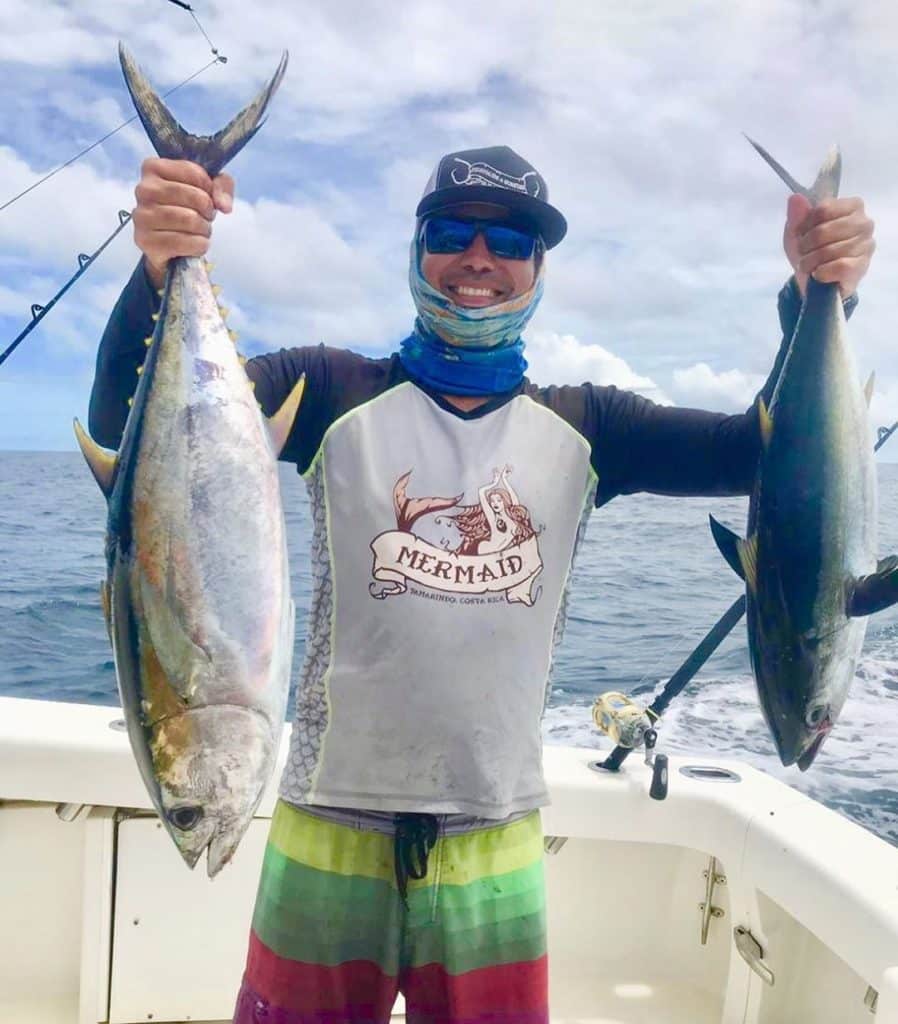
<point x="220" y="850"/>
<point x="805" y="760"/>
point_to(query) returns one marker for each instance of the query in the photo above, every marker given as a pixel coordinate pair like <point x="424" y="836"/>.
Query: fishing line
<point x="186" y="7"/>
<point x="38" y="312"/>
<point x="108" y="135"/>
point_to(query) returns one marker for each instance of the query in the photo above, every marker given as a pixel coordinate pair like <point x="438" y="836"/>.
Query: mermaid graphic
<point x="498" y="550"/>
<point x="498" y="521"/>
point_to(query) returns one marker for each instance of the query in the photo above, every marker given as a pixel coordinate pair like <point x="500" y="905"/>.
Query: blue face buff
<point x="459" y="350"/>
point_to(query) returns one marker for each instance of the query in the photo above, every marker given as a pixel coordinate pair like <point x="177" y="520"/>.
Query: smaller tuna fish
<point x="809" y="559"/>
<point x="197" y="596"/>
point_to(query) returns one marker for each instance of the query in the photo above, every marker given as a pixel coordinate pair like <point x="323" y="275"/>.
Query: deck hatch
<point x="709" y="773"/>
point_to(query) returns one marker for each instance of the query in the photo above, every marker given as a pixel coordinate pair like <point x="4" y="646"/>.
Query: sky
<point x="667" y="280"/>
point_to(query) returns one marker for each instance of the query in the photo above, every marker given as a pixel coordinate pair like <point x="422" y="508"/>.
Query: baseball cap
<point x="494" y="175"/>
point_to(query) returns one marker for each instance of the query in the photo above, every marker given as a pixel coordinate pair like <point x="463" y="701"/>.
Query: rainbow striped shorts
<point x="334" y="940"/>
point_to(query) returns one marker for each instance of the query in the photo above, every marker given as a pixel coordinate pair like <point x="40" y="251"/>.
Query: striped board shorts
<point x="334" y="940"/>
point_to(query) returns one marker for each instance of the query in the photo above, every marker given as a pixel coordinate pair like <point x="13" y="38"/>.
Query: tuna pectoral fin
<point x="172" y="141"/>
<point x="877" y="591"/>
<point x="868" y="387"/>
<point x="741" y="555"/>
<point x="101" y="462"/>
<point x="183" y="662"/>
<point x="281" y="423"/>
<point x="106" y="602"/>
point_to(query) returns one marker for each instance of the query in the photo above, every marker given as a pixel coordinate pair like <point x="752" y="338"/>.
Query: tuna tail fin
<point x="877" y="591"/>
<point x="170" y="140"/>
<point x="826" y="185"/>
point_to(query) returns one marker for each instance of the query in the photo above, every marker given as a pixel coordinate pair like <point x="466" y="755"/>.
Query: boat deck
<point x="102" y="924"/>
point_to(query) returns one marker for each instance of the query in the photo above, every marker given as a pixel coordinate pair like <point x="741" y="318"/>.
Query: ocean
<point x="647" y="585"/>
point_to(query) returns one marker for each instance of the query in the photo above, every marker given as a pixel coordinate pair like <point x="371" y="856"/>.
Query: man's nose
<point x="477" y="256"/>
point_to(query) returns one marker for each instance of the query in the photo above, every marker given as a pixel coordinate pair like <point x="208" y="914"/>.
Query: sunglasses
<point x="447" y="235"/>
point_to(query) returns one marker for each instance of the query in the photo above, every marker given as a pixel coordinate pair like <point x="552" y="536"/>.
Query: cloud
<point x="563" y="359"/>
<point x="729" y="391"/>
<point x="633" y="113"/>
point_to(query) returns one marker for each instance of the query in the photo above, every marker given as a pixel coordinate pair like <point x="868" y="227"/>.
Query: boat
<point x="733" y="900"/>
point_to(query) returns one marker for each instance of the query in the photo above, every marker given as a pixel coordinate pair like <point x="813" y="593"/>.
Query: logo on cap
<point x="483" y="174"/>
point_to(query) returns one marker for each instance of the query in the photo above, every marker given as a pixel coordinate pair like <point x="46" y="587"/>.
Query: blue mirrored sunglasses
<point x="447" y="235"/>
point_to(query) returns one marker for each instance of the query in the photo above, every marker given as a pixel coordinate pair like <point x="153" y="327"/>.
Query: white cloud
<point x="564" y="359"/>
<point x="633" y="113"/>
<point x="729" y="391"/>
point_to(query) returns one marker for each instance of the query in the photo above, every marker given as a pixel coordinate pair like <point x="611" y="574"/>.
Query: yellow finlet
<point x="281" y="423"/>
<point x="209" y="267"/>
<point x="233" y="335"/>
<point x="766" y="421"/>
<point x="130" y="402"/>
<point x="140" y="369"/>
<point x="216" y="290"/>
<point x="106" y="603"/>
<point x="148" y="340"/>
<point x="748" y="556"/>
<point x="242" y="360"/>
<point x="223" y="310"/>
<point x="868" y="387"/>
<point x="154" y="317"/>
<point x="101" y="462"/>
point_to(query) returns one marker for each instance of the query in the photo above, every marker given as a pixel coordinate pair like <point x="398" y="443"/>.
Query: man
<point x="448" y="496"/>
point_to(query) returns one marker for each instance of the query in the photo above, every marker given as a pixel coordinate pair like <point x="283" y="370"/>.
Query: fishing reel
<point x="630" y="725"/>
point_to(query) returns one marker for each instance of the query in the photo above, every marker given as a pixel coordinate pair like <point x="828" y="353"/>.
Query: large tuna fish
<point x="197" y="597"/>
<point x="809" y="560"/>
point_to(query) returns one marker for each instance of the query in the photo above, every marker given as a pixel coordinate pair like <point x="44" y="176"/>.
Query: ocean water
<point x="648" y="584"/>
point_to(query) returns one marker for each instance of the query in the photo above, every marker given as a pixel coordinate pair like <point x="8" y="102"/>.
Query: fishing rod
<point x="630" y="725"/>
<point x="38" y="312"/>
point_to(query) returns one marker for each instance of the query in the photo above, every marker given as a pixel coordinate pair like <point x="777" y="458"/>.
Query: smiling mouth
<point x="466" y="291"/>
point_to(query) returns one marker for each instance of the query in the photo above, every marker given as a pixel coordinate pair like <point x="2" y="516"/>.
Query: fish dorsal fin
<point x="102" y="463"/>
<point x="868" y="387"/>
<point x="281" y="423"/>
<point x="741" y="555"/>
<point x="766" y="422"/>
<point x="877" y="591"/>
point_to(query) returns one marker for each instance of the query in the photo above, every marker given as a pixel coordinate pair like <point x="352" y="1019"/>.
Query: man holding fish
<point x="448" y="496"/>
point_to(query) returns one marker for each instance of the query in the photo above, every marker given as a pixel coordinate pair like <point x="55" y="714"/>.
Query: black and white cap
<point x="494" y="175"/>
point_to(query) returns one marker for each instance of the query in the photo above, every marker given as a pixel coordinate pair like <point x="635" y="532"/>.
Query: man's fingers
<point x="161" y="246"/>
<point x="223" y="192"/>
<point x="155" y="191"/>
<point x="184" y="171"/>
<point x="855" y="225"/>
<point x="833" y="209"/>
<point x="851" y="247"/>
<point x="172" y="218"/>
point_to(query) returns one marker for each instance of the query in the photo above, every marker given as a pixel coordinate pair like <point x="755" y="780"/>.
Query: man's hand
<point x="176" y="204"/>
<point x="832" y="241"/>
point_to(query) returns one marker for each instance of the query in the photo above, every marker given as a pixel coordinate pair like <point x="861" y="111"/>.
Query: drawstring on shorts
<point x="415" y="837"/>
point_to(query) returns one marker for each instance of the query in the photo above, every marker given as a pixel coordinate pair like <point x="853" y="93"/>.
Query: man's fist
<point x="832" y="241"/>
<point x="176" y="204"/>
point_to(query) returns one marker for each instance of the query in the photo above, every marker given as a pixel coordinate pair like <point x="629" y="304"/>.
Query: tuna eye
<point x="816" y="715"/>
<point x="186" y="818"/>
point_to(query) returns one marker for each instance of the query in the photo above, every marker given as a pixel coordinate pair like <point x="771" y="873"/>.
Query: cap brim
<point x="548" y="221"/>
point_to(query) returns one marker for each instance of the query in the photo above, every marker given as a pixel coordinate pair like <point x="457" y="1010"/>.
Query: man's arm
<point x="641" y="446"/>
<point x="122" y="350"/>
